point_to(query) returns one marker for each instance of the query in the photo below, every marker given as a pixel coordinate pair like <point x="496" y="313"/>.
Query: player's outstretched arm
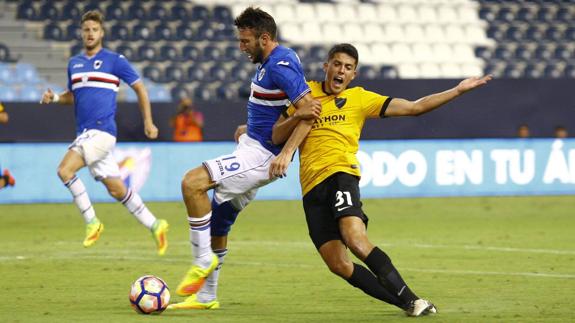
<point x="401" y="107"/>
<point x="280" y="164"/>
<point x="145" y="108"/>
<point x="49" y="96"/>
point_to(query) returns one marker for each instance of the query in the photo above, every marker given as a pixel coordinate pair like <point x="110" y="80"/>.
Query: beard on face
<point x="258" y="55"/>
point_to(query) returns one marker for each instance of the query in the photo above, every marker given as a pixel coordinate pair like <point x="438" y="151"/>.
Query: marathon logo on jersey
<point x="329" y="120"/>
<point x="263" y="96"/>
<point x="97" y="64"/>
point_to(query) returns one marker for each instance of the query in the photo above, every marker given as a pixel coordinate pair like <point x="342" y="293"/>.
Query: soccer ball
<point x="149" y="295"/>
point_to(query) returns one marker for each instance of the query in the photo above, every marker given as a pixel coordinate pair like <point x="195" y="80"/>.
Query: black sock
<point x="380" y="264"/>
<point x="365" y="280"/>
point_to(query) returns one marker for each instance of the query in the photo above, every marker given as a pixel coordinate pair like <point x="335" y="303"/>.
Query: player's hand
<point x="279" y="165"/>
<point x="240" y="130"/>
<point x="151" y="130"/>
<point x="47" y="97"/>
<point x="309" y="111"/>
<point x="473" y="82"/>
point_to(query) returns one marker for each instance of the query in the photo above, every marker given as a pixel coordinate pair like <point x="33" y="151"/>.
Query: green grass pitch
<point x="507" y="259"/>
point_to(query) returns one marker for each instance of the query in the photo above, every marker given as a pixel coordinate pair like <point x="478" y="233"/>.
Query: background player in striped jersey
<point x="6" y="178"/>
<point x="93" y="82"/>
<point x="329" y="175"/>
<point x="236" y="178"/>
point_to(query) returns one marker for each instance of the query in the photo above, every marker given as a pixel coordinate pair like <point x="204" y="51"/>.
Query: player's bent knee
<point x="341" y="268"/>
<point x="65" y="174"/>
<point x="194" y="182"/>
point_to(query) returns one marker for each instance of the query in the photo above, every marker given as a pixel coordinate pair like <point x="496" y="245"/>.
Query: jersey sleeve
<point x="125" y="71"/>
<point x="69" y="73"/>
<point x="287" y="74"/>
<point x="373" y="104"/>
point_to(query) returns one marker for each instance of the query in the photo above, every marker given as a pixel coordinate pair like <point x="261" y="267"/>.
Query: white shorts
<point x="95" y="147"/>
<point x="240" y="174"/>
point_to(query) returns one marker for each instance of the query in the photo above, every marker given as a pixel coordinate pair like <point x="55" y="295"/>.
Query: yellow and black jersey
<point x="331" y="145"/>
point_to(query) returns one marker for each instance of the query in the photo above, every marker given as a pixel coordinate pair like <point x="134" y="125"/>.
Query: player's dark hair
<point x="258" y="20"/>
<point x="345" y="48"/>
<point x="93" y="15"/>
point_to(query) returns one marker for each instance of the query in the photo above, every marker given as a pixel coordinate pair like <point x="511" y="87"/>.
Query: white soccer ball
<point x="149" y="295"/>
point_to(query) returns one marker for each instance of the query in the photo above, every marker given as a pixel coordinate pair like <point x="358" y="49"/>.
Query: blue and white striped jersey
<point x="278" y="80"/>
<point x="95" y="81"/>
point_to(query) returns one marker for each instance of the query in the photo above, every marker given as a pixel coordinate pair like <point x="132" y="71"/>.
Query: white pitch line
<point x="77" y="256"/>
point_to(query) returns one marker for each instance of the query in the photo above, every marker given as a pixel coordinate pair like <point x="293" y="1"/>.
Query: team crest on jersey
<point x="97" y="64"/>
<point x="261" y="74"/>
<point x="340" y="102"/>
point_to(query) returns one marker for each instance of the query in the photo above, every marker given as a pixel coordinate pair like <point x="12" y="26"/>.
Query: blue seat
<point x="569" y="71"/>
<point x="191" y="53"/>
<point x="8" y="94"/>
<point x="197" y="72"/>
<point x="115" y="12"/>
<point x="563" y="14"/>
<point x="174" y="73"/>
<point x="244" y="90"/>
<point x="570" y="33"/>
<point x="143" y="32"/>
<point x="534" y="33"/>
<point x="545" y="14"/>
<point x="525" y="14"/>
<point x="218" y="73"/>
<point x="232" y="53"/>
<point x="241" y="72"/>
<point x="543" y="52"/>
<point x="180" y="13"/>
<point x="159" y="12"/>
<point x="513" y="33"/>
<point x="213" y="53"/>
<point x="164" y="32"/>
<point x="120" y="31"/>
<point x="317" y="53"/>
<point x="200" y="13"/>
<point x="48" y="11"/>
<point x="137" y="12"/>
<point x="73" y="32"/>
<point x="487" y="13"/>
<point x="523" y="53"/>
<point x="128" y="51"/>
<point x="6" y="55"/>
<point x="26" y="73"/>
<point x="29" y="94"/>
<point x="368" y="72"/>
<point x="148" y="53"/>
<point x="483" y="53"/>
<point x="203" y="93"/>
<point x="562" y="52"/>
<point x="71" y="12"/>
<point x="169" y="53"/>
<point x="185" y="32"/>
<point x="513" y="71"/>
<point x="533" y="71"/>
<point x="495" y="32"/>
<point x="203" y="32"/>
<point x="223" y="33"/>
<point x="159" y="93"/>
<point x="503" y="53"/>
<point x="553" y="71"/>
<point x="53" y="32"/>
<point x="27" y="11"/>
<point x="226" y="92"/>
<point x="6" y="75"/>
<point x="505" y="15"/>
<point x="154" y="73"/>
<point x="223" y="14"/>
<point x="179" y="92"/>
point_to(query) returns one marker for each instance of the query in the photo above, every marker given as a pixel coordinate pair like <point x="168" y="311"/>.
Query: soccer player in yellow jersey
<point x="329" y="174"/>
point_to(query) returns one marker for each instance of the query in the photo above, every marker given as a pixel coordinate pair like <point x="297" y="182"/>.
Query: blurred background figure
<point x="523" y="131"/>
<point x="187" y="123"/>
<point x="6" y="179"/>
<point x="561" y="132"/>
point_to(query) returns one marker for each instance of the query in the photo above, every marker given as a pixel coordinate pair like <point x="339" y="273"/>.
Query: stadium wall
<point x="494" y="111"/>
<point x="391" y="168"/>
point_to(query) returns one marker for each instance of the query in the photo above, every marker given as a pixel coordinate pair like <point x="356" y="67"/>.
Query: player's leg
<point x="70" y="164"/>
<point x="107" y="170"/>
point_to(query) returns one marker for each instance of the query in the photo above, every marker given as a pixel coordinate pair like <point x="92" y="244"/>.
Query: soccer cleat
<point x="10" y="181"/>
<point x="420" y="307"/>
<point x="160" y="231"/>
<point x="93" y="231"/>
<point x="195" y="278"/>
<point x="192" y="303"/>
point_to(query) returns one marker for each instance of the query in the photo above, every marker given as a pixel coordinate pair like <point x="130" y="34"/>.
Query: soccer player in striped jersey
<point x="236" y="177"/>
<point x="329" y="175"/>
<point x="93" y="82"/>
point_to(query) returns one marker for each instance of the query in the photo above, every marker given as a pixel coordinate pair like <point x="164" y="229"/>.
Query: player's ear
<point x="325" y="66"/>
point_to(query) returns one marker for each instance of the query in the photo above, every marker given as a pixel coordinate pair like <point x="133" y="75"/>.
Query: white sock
<point x="209" y="291"/>
<point x="81" y="198"/>
<point x="201" y="239"/>
<point x="136" y="206"/>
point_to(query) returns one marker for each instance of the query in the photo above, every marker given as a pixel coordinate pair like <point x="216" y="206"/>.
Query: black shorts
<point x="337" y="196"/>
